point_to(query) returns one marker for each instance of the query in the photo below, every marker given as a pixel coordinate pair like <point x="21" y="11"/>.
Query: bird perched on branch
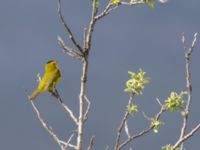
<point x="50" y="79"/>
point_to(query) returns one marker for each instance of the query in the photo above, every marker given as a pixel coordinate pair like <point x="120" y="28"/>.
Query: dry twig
<point x="61" y="143"/>
<point x="91" y="27"/>
<point x="110" y="7"/>
<point x="119" y="130"/>
<point x="88" y="108"/>
<point x="68" y="142"/>
<point x="66" y="108"/>
<point x="143" y="132"/>
<point x="71" y="52"/>
<point x="188" y="52"/>
<point x="91" y="143"/>
<point x="67" y="29"/>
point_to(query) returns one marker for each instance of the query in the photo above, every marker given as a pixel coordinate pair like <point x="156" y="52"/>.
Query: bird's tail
<point x="34" y="95"/>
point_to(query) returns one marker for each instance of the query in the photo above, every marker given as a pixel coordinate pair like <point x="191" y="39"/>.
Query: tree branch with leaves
<point x="134" y="86"/>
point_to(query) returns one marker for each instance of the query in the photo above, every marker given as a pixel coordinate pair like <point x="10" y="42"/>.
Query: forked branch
<point x="71" y="52"/>
<point x="67" y="29"/>
<point x="122" y="124"/>
<point x="141" y="133"/>
<point x="88" y="108"/>
<point x="63" y="145"/>
<point x="188" y="53"/>
<point x="110" y="7"/>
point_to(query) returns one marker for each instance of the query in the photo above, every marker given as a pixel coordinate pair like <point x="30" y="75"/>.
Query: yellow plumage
<point x="50" y="79"/>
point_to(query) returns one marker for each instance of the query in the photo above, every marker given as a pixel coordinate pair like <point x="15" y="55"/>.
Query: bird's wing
<point x="48" y="83"/>
<point x="52" y="81"/>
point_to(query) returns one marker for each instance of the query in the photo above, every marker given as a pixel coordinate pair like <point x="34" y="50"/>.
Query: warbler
<point x="51" y="77"/>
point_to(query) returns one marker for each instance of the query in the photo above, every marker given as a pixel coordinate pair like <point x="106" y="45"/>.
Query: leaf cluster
<point x="135" y="85"/>
<point x="174" y="101"/>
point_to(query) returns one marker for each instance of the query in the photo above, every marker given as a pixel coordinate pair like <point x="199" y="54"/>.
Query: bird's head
<point x="51" y="65"/>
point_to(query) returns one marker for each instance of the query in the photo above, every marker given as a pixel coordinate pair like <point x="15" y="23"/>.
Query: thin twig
<point x="158" y="115"/>
<point x="186" y="137"/>
<point x="110" y="7"/>
<point x="132" y="3"/>
<point x="91" y="143"/>
<point x="143" y="132"/>
<point x="68" y="142"/>
<point x="134" y="137"/>
<point x="67" y="29"/>
<point x="106" y="11"/>
<point x="66" y="108"/>
<point x="91" y="27"/>
<point x="181" y="147"/>
<point x="159" y="102"/>
<point x="188" y="52"/>
<point x="126" y="129"/>
<point x="71" y="52"/>
<point x="119" y="130"/>
<point x="107" y="147"/>
<point x="61" y="143"/>
<point x="84" y="38"/>
<point x="88" y="108"/>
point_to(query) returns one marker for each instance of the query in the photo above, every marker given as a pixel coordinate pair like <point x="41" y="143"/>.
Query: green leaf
<point x="156" y="124"/>
<point x="115" y="1"/>
<point x="132" y="108"/>
<point x="175" y="102"/>
<point x="151" y="4"/>
<point x="133" y="1"/>
<point x="136" y="83"/>
<point x="169" y="147"/>
<point x="97" y="4"/>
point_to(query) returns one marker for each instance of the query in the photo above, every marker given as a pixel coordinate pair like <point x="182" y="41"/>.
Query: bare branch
<point x="188" y="52"/>
<point x="132" y="3"/>
<point x="87" y="45"/>
<point x="81" y="102"/>
<point x="91" y="26"/>
<point x="88" y="108"/>
<point x="187" y="136"/>
<point x="107" y="147"/>
<point x="119" y="130"/>
<point x="127" y="129"/>
<point x="68" y="142"/>
<point x="110" y="7"/>
<point x="67" y="29"/>
<point x="134" y="137"/>
<point x="91" y="143"/>
<point x="158" y="115"/>
<point x="66" y="108"/>
<point x="61" y="143"/>
<point x="145" y="131"/>
<point x="106" y="11"/>
<point x="71" y="52"/>
<point x="84" y="37"/>
<point x="184" y="41"/>
<point x="181" y="147"/>
<point x="159" y="102"/>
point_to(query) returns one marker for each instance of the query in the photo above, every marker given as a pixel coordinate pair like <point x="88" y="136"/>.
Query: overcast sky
<point x="128" y="39"/>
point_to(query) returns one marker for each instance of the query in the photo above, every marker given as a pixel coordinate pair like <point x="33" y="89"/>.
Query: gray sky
<point x="128" y="39"/>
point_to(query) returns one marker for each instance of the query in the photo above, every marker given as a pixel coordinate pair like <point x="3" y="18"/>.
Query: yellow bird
<point x="50" y="79"/>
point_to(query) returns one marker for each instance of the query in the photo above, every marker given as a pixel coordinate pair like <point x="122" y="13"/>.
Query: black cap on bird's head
<point x="50" y="61"/>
